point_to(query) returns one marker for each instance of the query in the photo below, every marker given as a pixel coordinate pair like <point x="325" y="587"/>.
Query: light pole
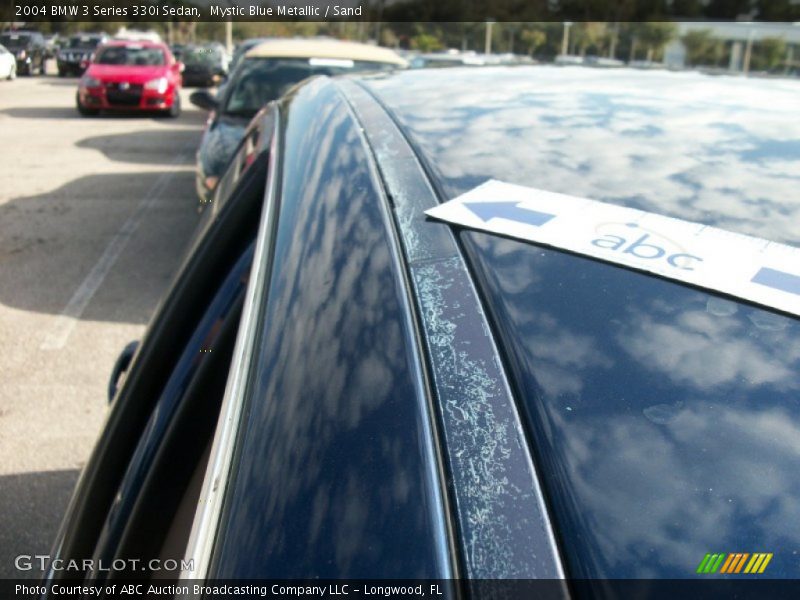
<point x="612" y="46"/>
<point x="487" y="46"/>
<point x="229" y="36"/>
<point x="565" y="39"/>
<point x="229" y="33"/>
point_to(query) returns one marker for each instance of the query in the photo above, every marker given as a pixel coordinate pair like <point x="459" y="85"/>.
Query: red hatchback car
<point x="131" y="76"/>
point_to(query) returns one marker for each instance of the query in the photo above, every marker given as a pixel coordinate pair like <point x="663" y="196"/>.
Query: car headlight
<point x="90" y="82"/>
<point x="159" y="85"/>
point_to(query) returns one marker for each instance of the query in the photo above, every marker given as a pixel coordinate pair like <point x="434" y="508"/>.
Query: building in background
<point x="777" y="44"/>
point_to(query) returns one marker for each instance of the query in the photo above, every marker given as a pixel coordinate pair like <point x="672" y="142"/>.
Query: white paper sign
<point x="746" y="267"/>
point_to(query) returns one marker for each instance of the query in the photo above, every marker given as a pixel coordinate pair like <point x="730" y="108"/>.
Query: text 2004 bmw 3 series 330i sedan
<point x="339" y="386"/>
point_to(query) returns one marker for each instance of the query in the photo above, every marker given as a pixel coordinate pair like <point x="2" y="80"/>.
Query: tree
<point x="702" y="48"/>
<point x="654" y="36"/>
<point x="590" y="36"/>
<point x="533" y="39"/>
<point x="768" y="54"/>
<point x="388" y="38"/>
<point x="426" y="42"/>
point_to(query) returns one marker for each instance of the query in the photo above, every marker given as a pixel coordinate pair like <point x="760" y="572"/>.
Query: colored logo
<point x="736" y="562"/>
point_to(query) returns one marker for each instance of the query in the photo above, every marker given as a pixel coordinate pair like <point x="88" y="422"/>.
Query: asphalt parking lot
<point x="95" y="215"/>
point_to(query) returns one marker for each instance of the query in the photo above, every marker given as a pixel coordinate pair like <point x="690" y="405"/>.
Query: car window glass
<point x="15" y="40"/>
<point x="260" y="80"/>
<point x="131" y="56"/>
<point x="202" y="56"/>
<point x="173" y="447"/>
<point x="83" y="42"/>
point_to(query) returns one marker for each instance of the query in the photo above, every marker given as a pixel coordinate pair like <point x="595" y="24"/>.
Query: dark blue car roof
<point x="664" y="420"/>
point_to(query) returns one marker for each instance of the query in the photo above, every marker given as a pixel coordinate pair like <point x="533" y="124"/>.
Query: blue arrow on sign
<point x="780" y="280"/>
<point x="511" y="211"/>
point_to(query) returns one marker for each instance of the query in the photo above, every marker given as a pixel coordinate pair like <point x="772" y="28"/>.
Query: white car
<point x="568" y="59"/>
<point x="8" y="64"/>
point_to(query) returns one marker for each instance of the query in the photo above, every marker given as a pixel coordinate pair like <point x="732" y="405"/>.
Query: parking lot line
<point x="62" y="326"/>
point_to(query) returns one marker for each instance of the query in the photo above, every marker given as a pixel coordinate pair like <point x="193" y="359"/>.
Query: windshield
<point x="15" y="40"/>
<point x="202" y="56"/>
<point x="260" y="80"/>
<point x="131" y="55"/>
<point x="241" y="50"/>
<point x="83" y="42"/>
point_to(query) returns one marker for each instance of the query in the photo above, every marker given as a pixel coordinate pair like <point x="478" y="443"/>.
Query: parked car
<point x="266" y="72"/>
<point x="8" y="64"/>
<point x="438" y="60"/>
<point x="569" y="59"/>
<point x="177" y="50"/>
<point x="602" y="61"/>
<point x="131" y="76"/>
<point x="28" y="48"/>
<point x="338" y="386"/>
<point x="237" y="57"/>
<point x="205" y="65"/>
<point x="457" y="58"/>
<point x="242" y="48"/>
<point x="76" y="54"/>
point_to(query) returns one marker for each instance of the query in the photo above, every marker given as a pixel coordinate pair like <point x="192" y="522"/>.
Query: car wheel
<point x="85" y="112"/>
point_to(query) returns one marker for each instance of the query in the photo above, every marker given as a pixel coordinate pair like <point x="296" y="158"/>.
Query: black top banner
<point x="23" y="11"/>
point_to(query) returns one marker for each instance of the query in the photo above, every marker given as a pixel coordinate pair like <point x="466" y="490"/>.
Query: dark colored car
<point x="243" y="47"/>
<point x="28" y="48"/>
<point x="178" y="50"/>
<point x="267" y="70"/>
<point x="205" y="66"/>
<point x="76" y="54"/>
<point x="131" y="76"/>
<point x="338" y="386"/>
